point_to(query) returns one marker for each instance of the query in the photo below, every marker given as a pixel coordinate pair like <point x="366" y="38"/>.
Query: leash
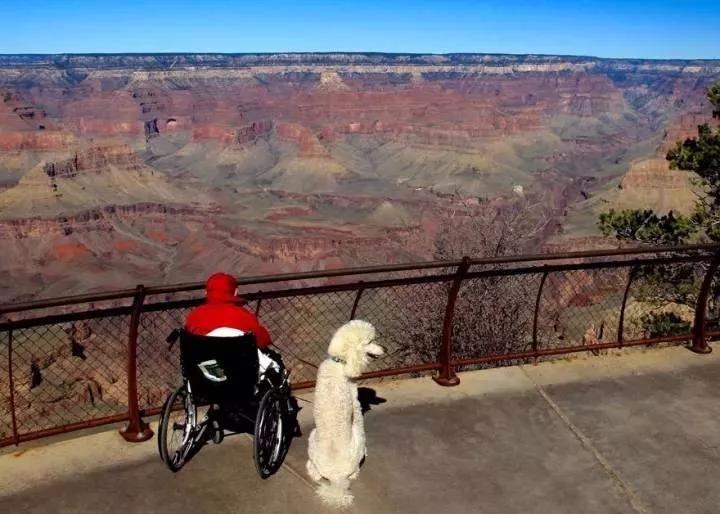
<point x="299" y="359"/>
<point x="293" y="355"/>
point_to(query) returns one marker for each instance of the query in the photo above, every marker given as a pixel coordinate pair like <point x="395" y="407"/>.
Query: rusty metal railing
<point x="83" y="361"/>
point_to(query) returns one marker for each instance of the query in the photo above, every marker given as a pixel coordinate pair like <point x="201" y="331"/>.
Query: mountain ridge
<point x="154" y="60"/>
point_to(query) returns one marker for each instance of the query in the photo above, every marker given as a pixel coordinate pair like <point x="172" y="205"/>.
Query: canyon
<point x="124" y="169"/>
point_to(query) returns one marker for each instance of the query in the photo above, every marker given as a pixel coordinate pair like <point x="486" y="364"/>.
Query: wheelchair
<point x="221" y="375"/>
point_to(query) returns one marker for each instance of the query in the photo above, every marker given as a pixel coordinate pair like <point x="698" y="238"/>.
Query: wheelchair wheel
<point x="272" y="433"/>
<point x="177" y="429"/>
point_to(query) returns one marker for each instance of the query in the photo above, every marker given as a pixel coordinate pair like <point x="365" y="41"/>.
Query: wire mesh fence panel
<point x="158" y="365"/>
<point x="581" y="307"/>
<point x="661" y="300"/>
<point x="408" y="320"/>
<point x="71" y="372"/>
<point x="494" y="316"/>
<point x="301" y="328"/>
<point x="5" y="404"/>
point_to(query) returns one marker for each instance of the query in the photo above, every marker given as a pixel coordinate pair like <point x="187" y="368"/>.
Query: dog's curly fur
<point x="337" y="443"/>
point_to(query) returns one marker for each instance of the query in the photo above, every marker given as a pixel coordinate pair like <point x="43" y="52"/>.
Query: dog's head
<point x="353" y="345"/>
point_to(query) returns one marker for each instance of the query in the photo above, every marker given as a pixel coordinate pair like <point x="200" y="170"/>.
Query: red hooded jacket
<point x="222" y="310"/>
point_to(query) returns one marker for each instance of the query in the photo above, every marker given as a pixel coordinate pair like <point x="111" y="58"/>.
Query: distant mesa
<point x="95" y="158"/>
<point x="331" y="81"/>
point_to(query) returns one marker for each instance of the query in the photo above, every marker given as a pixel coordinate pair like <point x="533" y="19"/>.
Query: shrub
<point x="664" y="324"/>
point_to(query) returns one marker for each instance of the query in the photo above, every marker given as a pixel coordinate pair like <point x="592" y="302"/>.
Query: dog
<point x="336" y="446"/>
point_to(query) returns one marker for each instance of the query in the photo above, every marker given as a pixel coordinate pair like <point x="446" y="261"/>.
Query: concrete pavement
<point x="632" y="432"/>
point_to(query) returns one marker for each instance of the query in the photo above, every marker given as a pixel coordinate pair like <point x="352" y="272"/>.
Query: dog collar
<point x="337" y="359"/>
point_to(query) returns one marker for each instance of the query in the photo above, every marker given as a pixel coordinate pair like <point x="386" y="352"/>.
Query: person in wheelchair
<point x="222" y="315"/>
<point x="228" y="367"/>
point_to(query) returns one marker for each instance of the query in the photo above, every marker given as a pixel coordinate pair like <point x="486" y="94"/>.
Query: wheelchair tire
<point x="176" y="431"/>
<point x="272" y="434"/>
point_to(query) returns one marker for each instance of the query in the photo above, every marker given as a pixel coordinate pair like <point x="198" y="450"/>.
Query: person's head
<point x="221" y="288"/>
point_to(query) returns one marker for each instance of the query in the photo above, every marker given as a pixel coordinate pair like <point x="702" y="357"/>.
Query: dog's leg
<point x="311" y="467"/>
<point x="336" y="492"/>
<point x="359" y="451"/>
<point x="312" y="471"/>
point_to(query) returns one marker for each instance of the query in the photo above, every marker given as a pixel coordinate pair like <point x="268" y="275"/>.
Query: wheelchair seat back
<point x="233" y="365"/>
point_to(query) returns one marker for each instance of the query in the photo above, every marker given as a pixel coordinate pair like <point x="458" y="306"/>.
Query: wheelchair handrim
<point x="278" y="426"/>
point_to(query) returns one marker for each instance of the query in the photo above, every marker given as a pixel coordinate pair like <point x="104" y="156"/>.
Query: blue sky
<point x="609" y="28"/>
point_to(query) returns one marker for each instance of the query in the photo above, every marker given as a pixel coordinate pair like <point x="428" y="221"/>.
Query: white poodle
<point x="337" y="443"/>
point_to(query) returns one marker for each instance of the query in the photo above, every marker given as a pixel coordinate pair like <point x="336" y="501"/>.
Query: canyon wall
<point x="119" y="169"/>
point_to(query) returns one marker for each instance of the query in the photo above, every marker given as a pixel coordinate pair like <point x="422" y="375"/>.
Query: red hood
<point x="220" y="288"/>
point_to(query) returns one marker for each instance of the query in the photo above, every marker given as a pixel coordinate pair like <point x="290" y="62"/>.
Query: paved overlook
<point x="632" y="432"/>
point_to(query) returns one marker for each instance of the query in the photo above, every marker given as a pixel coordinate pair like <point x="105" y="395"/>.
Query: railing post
<point x="699" y="344"/>
<point x="13" y="415"/>
<point x="537" y="311"/>
<point x="621" y="320"/>
<point x="361" y="288"/>
<point x="136" y="430"/>
<point x="447" y="377"/>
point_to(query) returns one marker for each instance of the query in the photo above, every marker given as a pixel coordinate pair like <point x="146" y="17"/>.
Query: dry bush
<point x="493" y="315"/>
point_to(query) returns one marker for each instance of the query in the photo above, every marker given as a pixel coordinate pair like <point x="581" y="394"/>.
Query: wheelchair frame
<point x="269" y="410"/>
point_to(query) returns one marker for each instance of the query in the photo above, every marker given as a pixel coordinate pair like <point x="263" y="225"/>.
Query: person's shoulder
<point x="197" y="311"/>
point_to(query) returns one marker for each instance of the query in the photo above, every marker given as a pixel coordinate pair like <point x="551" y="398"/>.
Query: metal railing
<point x="83" y="361"/>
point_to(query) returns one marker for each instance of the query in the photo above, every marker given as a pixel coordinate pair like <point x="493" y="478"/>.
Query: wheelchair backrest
<point x="236" y="356"/>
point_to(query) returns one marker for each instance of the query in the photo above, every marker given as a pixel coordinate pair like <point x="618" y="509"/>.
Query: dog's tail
<point x="336" y="493"/>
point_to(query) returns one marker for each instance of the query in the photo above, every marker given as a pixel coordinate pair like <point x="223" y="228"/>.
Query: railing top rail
<point x="366" y="270"/>
<point x="620" y="252"/>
